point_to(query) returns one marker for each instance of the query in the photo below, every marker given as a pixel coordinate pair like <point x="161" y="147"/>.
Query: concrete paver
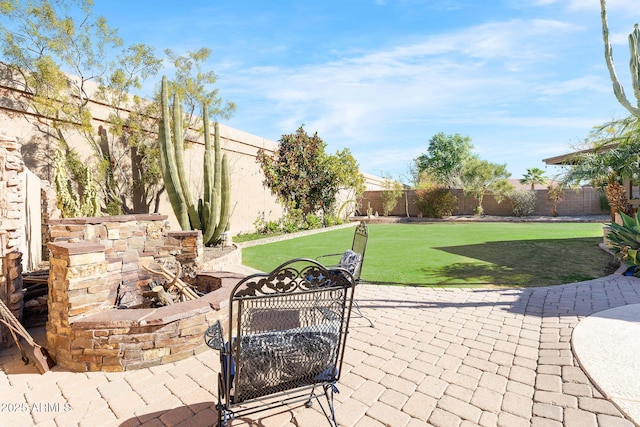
<point x="439" y="357"/>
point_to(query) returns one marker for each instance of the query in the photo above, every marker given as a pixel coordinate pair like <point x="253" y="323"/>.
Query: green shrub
<point x="331" y="220"/>
<point x="523" y="202"/>
<point x="436" y="202"/>
<point x="292" y="221"/>
<point x="624" y="239"/>
<point x="391" y="193"/>
<point x="263" y="226"/>
<point x="313" y="221"/>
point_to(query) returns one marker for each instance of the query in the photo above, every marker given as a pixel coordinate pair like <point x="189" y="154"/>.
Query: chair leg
<point x="356" y="308"/>
<point x="220" y="424"/>
<point x="224" y="415"/>
<point x="309" y="403"/>
<point x="329" y="390"/>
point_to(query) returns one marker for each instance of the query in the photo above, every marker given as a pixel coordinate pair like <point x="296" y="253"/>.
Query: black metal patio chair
<point x="285" y="337"/>
<point x="352" y="260"/>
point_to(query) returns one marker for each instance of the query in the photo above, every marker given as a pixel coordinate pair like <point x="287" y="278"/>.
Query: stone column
<point x="11" y="231"/>
<point x="78" y="287"/>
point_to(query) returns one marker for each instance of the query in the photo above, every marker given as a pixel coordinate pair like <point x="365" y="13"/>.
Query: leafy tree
<point x="303" y="177"/>
<point x="63" y="58"/>
<point x="480" y="177"/>
<point x="40" y="43"/>
<point x="348" y="178"/>
<point x="534" y="176"/>
<point x="392" y="191"/>
<point x="445" y="158"/>
<point x="611" y="154"/>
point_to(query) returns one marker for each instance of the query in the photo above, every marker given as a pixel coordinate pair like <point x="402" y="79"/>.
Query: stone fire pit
<point x="93" y="261"/>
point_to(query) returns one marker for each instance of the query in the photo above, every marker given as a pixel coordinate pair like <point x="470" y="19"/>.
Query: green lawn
<point x="458" y="254"/>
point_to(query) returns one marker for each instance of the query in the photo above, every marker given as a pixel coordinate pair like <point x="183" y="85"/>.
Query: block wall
<point x="584" y="201"/>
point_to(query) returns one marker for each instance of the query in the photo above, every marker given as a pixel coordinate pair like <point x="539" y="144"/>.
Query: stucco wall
<point x="249" y="198"/>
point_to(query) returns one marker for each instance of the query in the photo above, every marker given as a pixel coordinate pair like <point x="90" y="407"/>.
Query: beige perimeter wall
<point x="249" y="198"/>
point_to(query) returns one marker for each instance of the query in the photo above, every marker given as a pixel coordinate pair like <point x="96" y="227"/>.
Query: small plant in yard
<point x="436" y="202"/>
<point x="624" y="239"/>
<point x="291" y="222"/>
<point x="480" y="177"/>
<point x="555" y="195"/>
<point x="331" y="220"/>
<point x="523" y="202"/>
<point x="313" y="221"/>
<point x="266" y="227"/>
<point x="390" y="195"/>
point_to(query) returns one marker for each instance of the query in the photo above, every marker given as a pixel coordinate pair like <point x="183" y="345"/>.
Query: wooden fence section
<point x="582" y="201"/>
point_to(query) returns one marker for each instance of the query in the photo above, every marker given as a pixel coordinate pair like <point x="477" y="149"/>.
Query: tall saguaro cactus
<point x="212" y="212"/>
<point x="634" y="64"/>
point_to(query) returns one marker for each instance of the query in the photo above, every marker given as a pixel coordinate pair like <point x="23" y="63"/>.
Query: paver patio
<point x="441" y="357"/>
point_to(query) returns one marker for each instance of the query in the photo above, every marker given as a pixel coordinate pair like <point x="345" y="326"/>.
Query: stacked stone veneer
<point x="11" y="231"/>
<point x="89" y="259"/>
<point x="131" y="241"/>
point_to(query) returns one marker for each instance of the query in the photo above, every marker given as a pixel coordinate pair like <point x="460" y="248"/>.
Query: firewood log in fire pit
<point x="158" y="292"/>
<point x="174" y="281"/>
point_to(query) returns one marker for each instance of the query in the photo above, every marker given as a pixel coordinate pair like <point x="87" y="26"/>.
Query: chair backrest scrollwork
<point x="359" y="246"/>
<point x="287" y="328"/>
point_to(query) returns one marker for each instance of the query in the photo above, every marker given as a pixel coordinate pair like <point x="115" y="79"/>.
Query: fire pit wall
<point x="89" y="259"/>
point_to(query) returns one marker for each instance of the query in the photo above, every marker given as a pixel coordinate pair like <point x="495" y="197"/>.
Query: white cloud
<point x="386" y="104"/>
<point x="584" y="83"/>
<point x="462" y="70"/>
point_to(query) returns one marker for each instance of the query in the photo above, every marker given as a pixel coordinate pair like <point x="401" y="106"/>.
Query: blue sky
<point x="525" y="79"/>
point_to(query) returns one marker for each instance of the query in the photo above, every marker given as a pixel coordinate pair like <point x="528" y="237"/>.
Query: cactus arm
<point x="210" y="206"/>
<point x="225" y="201"/>
<point x="167" y="161"/>
<point x="208" y="161"/>
<point x="217" y="181"/>
<point x="634" y="63"/>
<point x="618" y="90"/>
<point x="210" y="221"/>
<point x="178" y="133"/>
